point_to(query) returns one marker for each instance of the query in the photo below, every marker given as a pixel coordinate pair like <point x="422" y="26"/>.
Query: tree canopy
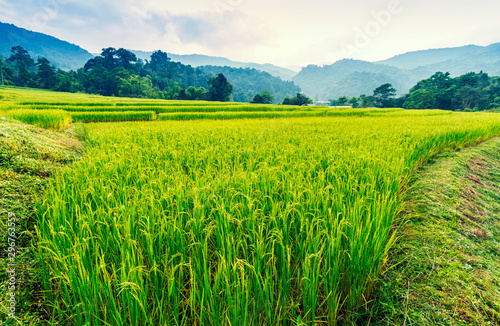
<point x="265" y="97"/>
<point x="219" y="89"/>
<point x="383" y="96"/>
<point x="299" y="99"/>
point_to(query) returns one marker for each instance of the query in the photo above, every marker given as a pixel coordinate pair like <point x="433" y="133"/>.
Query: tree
<point x="46" y="74"/>
<point x="343" y="101"/>
<point x="136" y="86"/>
<point x="354" y="102"/>
<point x="299" y="99"/>
<point x="219" y="89"/>
<point x="125" y="58"/>
<point x="366" y="101"/>
<point x="420" y="100"/>
<point x="194" y="94"/>
<point x="159" y="60"/>
<point x="24" y="66"/>
<point x="265" y="97"/>
<point x="21" y="57"/>
<point x="5" y="72"/>
<point x="383" y="95"/>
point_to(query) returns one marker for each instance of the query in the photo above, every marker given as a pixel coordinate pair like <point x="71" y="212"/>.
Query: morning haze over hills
<point x="345" y="77"/>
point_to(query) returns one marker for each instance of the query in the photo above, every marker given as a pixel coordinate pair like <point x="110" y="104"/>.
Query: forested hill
<point x="198" y="60"/>
<point x="61" y="53"/>
<point x="250" y="82"/>
<point x="355" y="77"/>
<point x="174" y="77"/>
<point x="351" y="78"/>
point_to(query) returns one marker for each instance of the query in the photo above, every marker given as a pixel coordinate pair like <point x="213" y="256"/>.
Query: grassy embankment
<point x="445" y="269"/>
<point x="29" y="157"/>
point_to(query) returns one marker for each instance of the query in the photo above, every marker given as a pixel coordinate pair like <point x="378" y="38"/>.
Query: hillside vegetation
<point x="61" y="53"/>
<point x="342" y="78"/>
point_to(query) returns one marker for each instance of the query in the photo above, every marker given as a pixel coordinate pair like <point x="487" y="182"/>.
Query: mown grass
<point x="112" y="116"/>
<point x="445" y="268"/>
<point x="239" y="222"/>
<point x="28" y="157"/>
<point x="49" y="119"/>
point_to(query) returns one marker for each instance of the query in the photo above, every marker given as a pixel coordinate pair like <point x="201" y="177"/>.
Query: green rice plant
<point x="103" y="116"/>
<point x="171" y="109"/>
<point x="176" y="103"/>
<point x="232" y="108"/>
<point x="360" y="112"/>
<point x="50" y="119"/>
<point x="236" y="115"/>
<point x="242" y="222"/>
<point x="409" y="113"/>
<point x="73" y="108"/>
<point x="42" y="105"/>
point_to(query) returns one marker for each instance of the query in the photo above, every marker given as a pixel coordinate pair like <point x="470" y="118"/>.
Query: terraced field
<point x="253" y="221"/>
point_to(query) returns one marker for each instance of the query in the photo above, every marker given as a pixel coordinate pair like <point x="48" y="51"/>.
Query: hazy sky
<point x="292" y="32"/>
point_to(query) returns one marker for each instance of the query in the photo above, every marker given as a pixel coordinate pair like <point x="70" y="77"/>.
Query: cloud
<point x="126" y="23"/>
<point x="281" y="32"/>
<point x="217" y="31"/>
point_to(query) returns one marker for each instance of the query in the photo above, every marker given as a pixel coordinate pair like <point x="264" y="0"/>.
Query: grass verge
<point x="28" y="157"/>
<point x="446" y="266"/>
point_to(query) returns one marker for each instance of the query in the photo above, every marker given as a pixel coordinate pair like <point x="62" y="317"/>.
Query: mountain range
<point x="343" y="78"/>
<point x="199" y="60"/>
<point x="354" y="77"/>
<point x="62" y="54"/>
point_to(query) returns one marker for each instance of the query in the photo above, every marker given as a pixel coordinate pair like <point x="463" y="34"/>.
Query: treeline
<point x="118" y="72"/>
<point x="469" y="92"/>
<point x="250" y="82"/>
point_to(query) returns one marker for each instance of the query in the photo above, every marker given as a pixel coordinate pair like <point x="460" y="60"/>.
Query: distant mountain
<point x="350" y="78"/>
<point x="249" y="82"/>
<point x="355" y="77"/>
<point x="464" y="57"/>
<point x="62" y="54"/>
<point x="198" y="60"/>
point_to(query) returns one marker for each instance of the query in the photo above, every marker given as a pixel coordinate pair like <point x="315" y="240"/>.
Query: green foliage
<point x="260" y="221"/>
<point x="118" y="72"/>
<point x="468" y="92"/>
<point x="420" y="100"/>
<point x="103" y="116"/>
<point x="250" y="82"/>
<point x="299" y="100"/>
<point x="383" y="96"/>
<point x="50" y="119"/>
<point x="238" y="115"/>
<point x="265" y="97"/>
<point x="136" y="86"/>
<point x="219" y="89"/>
<point x="253" y="216"/>
<point x="341" y="101"/>
<point x="46" y="74"/>
<point x="350" y="78"/>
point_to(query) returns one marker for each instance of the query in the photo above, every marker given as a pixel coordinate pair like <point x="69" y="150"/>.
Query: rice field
<point x="247" y="221"/>
<point x="238" y="115"/>
<point x="103" y="116"/>
<point x="49" y="119"/>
